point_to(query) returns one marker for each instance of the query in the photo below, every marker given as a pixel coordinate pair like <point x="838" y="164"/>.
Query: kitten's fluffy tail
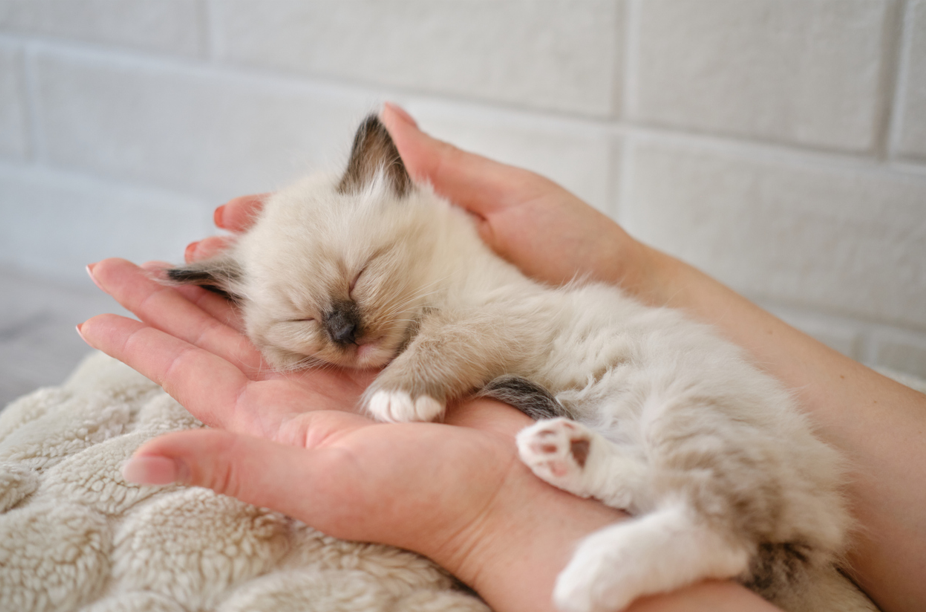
<point x="527" y="396"/>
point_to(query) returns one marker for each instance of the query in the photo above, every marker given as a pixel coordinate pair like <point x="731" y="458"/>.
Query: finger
<point x="214" y="305"/>
<point x="211" y="388"/>
<point x="258" y="471"/>
<point x="476" y="183"/>
<point x="166" y="309"/>
<point x="238" y="214"/>
<point x="204" y="383"/>
<point x="210" y="302"/>
<point x="207" y="247"/>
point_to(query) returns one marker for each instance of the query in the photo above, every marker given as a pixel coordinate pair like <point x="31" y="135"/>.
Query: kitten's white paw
<point x="590" y="584"/>
<point x="557" y="451"/>
<point x="656" y="552"/>
<point x="400" y="407"/>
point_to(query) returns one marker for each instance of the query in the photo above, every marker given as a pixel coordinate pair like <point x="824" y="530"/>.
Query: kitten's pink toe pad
<point x="556" y="451"/>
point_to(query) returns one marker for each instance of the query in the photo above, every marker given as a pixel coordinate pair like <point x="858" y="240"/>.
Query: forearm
<point x="877" y="424"/>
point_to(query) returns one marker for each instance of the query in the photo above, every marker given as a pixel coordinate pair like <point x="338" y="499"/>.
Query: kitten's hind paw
<point x="400" y="407"/>
<point x="590" y="584"/>
<point x="557" y="451"/>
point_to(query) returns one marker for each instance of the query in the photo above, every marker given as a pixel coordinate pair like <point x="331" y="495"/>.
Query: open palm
<point x="358" y="479"/>
<point x="199" y="338"/>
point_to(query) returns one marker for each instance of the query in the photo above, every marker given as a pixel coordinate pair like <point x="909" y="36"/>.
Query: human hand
<point x="198" y="317"/>
<point x="289" y="442"/>
<point x="236" y="216"/>
<point x="547" y="232"/>
<point x="455" y="492"/>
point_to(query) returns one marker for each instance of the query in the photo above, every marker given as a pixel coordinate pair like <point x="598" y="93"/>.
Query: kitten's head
<point x="335" y="269"/>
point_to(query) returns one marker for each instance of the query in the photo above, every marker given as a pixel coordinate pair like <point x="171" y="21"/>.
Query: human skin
<point x="552" y="236"/>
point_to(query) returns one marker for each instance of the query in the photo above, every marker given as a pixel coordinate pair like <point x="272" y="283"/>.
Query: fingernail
<point x="218" y="217"/>
<point x="89" y="270"/>
<point x="190" y="249"/>
<point x="80" y="333"/>
<point x="398" y="110"/>
<point x="151" y="470"/>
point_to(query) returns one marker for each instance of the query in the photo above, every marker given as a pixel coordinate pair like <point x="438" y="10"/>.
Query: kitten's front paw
<point x="557" y="451"/>
<point x="401" y="407"/>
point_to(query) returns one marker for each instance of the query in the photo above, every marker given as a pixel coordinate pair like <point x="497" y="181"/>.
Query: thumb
<point x="254" y="470"/>
<point x="476" y="183"/>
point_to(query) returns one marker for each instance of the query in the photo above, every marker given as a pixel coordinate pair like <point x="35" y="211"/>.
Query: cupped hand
<point x="236" y="216"/>
<point x="454" y="491"/>
<point x="354" y="463"/>
<point x="203" y="333"/>
<point x="546" y="231"/>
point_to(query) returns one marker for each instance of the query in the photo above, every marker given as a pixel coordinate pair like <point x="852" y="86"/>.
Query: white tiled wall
<point x="552" y="54"/>
<point x="849" y="238"/>
<point x="13" y="132"/>
<point x="56" y="222"/>
<point x="780" y="145"/>
<point x="192" y="128"/>
<point x="911" y="96"/>
<point x="803" y="72"/>
<point x="172" y="27"/>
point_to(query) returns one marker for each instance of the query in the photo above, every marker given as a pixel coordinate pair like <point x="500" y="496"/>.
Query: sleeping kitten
<point x="653" y="413"/>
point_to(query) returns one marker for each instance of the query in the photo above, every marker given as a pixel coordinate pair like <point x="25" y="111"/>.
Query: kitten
<point x="654" y="414"/>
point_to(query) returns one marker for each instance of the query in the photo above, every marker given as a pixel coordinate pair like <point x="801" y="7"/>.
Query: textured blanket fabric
<point x="75" y="536"/>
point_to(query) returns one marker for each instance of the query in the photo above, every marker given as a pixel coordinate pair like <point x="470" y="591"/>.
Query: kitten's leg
<point x="655" y="553"/>
<point x="572" y="457"/>
<point x="452" y="354"/>
<point x="665" y="549"/>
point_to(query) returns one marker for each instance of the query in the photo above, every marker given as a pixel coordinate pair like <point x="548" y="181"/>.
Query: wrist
<point x="523" y="540"/>
<point x="645" y="273"/>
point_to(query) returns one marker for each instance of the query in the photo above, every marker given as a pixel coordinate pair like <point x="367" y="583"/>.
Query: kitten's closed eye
<point x="353" y="283"/>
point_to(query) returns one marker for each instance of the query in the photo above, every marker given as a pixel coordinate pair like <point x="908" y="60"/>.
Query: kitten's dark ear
<point x="373" y="151"/>
<point x="220" y="274"/>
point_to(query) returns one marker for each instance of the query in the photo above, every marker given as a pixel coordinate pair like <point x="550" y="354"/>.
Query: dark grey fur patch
<point x="185" y="276"/>
<point x="374" y="150"/>
<point x="776" y="568"/>
<point x="218" y="276"/>
<point x="527" y="396"/>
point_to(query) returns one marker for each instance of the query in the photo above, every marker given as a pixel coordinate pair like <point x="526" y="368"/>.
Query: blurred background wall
<point x="780" y="145"/>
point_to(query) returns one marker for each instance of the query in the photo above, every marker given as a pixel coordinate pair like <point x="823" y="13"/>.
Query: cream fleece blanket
<point x="75" y="536"/>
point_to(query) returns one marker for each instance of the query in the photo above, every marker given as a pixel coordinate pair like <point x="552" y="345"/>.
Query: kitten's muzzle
<point x="342" y="323"/>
